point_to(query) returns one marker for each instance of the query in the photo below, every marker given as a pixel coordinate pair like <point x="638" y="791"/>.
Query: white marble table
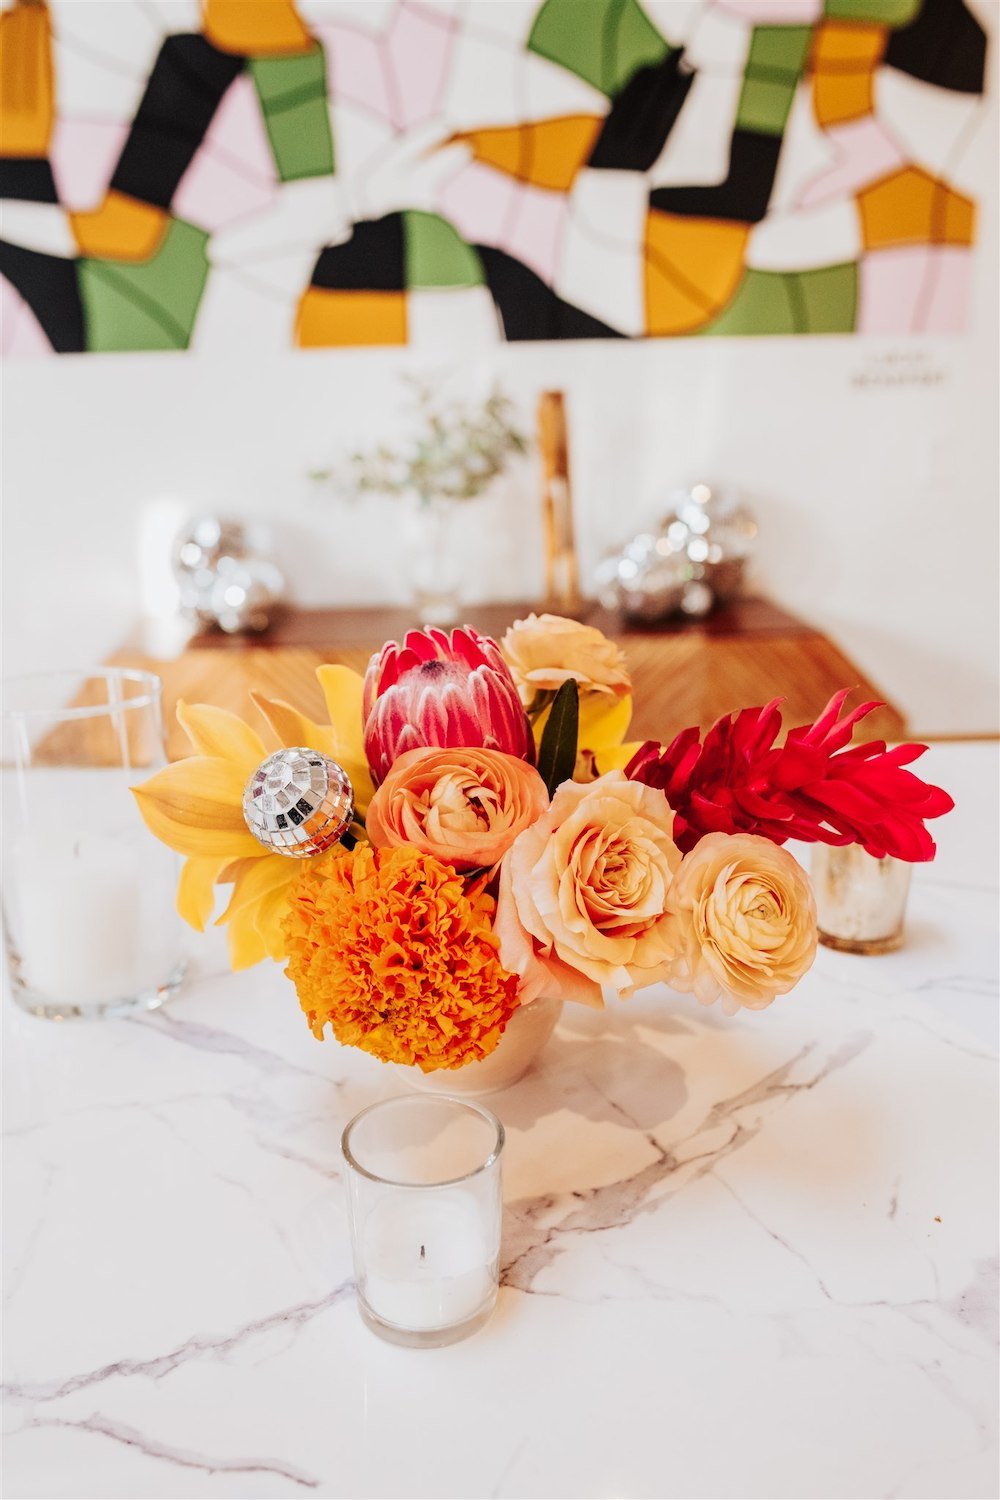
<point x="743" y="1258"/>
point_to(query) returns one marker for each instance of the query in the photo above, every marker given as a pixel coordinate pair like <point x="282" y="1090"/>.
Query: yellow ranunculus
<point x="195" y="806"/>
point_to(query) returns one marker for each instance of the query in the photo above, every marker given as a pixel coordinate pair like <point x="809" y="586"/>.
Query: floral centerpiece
<point x="502" y="841"/>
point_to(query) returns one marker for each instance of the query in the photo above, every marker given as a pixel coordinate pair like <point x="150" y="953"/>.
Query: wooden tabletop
<point x="689" y="672"/>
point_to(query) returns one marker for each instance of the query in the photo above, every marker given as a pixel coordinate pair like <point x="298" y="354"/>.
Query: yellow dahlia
<point x="195" y="806"/>
<point x="391" y="948"/>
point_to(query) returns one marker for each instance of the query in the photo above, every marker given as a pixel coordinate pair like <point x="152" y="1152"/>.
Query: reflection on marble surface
<point x="748" y="1257"/>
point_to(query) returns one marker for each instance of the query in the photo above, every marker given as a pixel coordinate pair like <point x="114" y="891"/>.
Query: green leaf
<point x="557" y="752"/>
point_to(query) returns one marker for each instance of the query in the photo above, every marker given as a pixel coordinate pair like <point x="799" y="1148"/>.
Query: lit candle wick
<point x="423" y="1252"/>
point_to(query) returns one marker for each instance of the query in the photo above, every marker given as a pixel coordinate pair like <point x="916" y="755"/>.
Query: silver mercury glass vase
<point x="860" y="900"/>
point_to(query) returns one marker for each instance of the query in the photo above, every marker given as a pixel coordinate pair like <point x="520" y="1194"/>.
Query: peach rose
<point x="544" y="651"/>
<point x="745" y="921"/>
<point x="583" y="892"/>
<point x="464" y="806"/>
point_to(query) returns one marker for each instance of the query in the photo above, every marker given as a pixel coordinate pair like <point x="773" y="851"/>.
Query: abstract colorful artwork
<point x="266" y="174"/>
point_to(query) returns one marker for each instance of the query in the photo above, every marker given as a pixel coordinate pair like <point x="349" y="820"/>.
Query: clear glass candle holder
<point x="90" y="925"/>
<point x="860" y="900"/>
<point x="423" y="1178"/>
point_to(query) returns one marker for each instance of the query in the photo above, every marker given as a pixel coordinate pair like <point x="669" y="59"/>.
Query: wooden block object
<point x="691" y="673"/>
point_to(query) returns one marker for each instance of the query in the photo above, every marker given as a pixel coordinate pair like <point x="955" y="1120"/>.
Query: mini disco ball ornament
<point x="244" y="595"/>
<point x="222" y="576"/>
<point x="695" y="559"/>
<point x="298" y="802"/>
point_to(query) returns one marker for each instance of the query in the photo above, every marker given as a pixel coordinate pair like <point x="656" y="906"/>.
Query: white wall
<point x="877" y="502"/>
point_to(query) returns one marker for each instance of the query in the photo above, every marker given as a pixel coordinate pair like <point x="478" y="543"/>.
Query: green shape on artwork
<point x="436" y="254"/>
<point x="602" y="41"/>
<point x="820" y="301"/>
<point x="147" y="306"/>
<point x="774" y="66"/>
<point x="293" y="97"/>
<point x="875" y="12"/>
<point x="829" y="296"/>
<point x="764" y="106"/>
<point x="761" y="304"/>
<point x="779" y="49"/>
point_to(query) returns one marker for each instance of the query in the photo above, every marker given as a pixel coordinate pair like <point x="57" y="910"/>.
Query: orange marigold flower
<point x="390" y="948"/>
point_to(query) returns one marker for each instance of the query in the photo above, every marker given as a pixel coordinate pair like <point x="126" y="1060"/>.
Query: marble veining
<point x="747" y="1257"/>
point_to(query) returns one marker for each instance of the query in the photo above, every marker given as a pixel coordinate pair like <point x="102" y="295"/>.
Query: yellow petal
<point x="246" y="946"/>
<point x="196" y="807"/>
<point x="269" y="916"/>
<point x="196" y="888"/>
<point x="292" y="727"/>
<point x="603" y="724"/>
<point x="215" y="731"/>
<point x="616" y="757"/>
<point x="255" y="879"/>
<point x="343" y="690"/>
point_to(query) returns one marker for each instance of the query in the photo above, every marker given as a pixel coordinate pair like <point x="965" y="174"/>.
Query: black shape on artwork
<point x="531" y="310"/>
<point x="28" y="178"/>
<point x="49" y="285"/>
<point x="746" y="192"/>
<point x="944" y="44"/>
<point x="370" y="261"/>
<point x="185" y="88"/>
<point x="641" y="118"/>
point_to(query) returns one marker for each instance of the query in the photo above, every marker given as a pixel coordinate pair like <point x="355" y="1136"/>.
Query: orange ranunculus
<point x="745" y="921"/>
<point x="583" y="893"/>
<point x="464" y="806"/>
<point x="389" y="947"/>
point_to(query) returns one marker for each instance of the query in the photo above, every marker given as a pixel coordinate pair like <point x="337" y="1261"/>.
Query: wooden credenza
<point x="691" y="672"/>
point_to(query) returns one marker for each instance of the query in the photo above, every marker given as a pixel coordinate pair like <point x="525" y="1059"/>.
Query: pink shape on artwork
<point x="84" y="154"/>
<point x="21" y="335"/>
<point x="355" y="67"/>
<point x="774" y="12"/>
<point x="865" y="152"/>
<point x="537" y="229"/>
<point x="232" y="173"/>
<point x="944" y="305"/>
<point x="419" y="44"/>
<point x="891" y="288"/>
<point x="480" y="203"/>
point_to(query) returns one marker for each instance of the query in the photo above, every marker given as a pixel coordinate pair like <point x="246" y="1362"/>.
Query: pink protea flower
<point x="445" y="691"/>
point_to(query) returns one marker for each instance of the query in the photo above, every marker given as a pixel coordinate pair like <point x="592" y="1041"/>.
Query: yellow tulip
<point x="195" y="806"/>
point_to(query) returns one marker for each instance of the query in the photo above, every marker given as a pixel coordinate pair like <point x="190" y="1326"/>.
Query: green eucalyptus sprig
<point x="458" y="450"/>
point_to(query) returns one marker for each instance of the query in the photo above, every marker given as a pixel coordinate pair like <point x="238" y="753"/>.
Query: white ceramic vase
<point x="528" y="1030"/>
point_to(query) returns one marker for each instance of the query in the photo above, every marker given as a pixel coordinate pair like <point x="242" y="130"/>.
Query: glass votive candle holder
<point x="90" y="925"/>
<point x="860" y="900"/>
<point x="423" y="1179"/>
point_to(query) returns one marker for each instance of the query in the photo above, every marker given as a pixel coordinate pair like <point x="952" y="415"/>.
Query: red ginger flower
<point x="445" y="691"/>
<point x="739" y="781"/>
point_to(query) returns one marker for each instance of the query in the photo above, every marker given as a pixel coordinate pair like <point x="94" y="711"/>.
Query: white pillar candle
<point x="77" y="916"/>
<point x="428" y="1260"/>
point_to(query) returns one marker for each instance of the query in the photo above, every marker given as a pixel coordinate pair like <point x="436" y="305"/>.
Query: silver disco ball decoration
<point x="693" y="560"/>
<point x="298" y="802"/>
<point x="223" y="577"/>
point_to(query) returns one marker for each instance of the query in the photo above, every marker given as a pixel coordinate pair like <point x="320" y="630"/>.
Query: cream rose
<point x="544" y="651"/>
<point x="465" y="806"/>
<point x="583" y="892"/>
<point x="745" y="921"/>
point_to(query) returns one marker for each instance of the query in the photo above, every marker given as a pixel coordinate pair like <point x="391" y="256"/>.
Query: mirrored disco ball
<point x="298" y="802"/>
<point x="694" y="559"/>
<point x="244" y="595"/>
<point x="223" y="576"/>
